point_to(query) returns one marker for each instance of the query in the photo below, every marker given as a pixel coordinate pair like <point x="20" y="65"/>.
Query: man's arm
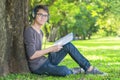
<point x="40" y="53"/>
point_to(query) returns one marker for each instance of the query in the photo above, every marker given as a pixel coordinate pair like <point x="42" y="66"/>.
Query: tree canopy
<point x="82" y="17"/>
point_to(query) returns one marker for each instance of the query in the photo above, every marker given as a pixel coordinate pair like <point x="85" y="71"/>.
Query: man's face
<point x="41" y="17"/>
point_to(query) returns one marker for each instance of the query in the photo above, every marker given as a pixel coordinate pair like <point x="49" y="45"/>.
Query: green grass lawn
<point x="104" y="53"/>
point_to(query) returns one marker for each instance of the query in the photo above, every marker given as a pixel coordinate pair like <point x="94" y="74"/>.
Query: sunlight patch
<point x="99" y="47"/>
<point x="93" y="57"/>
<point x="114" y="63"/>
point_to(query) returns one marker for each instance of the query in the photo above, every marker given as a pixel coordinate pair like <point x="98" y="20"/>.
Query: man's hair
<point x="36" y="9"/>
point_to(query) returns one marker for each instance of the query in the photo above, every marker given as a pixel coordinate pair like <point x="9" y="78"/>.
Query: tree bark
<point x="13" y="20"/>
<point x="3" y="40"/>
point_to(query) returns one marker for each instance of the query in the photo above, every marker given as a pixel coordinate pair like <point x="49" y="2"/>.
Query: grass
<point x="104" y="53"/>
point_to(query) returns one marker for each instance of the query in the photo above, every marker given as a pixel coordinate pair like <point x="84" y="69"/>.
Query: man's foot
<point x="95" y="71"/>
<point x="77" y="70"/>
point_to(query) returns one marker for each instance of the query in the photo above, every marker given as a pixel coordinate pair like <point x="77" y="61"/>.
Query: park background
<point x="95" y="24"/>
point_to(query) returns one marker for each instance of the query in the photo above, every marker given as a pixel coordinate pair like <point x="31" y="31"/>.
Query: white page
<point x="64" y="40"/>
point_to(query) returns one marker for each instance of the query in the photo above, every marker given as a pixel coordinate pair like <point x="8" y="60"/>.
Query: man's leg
<point x="50" y="67"/>
<point x="77" y="56"/>
<point x="54" y="70"/>
<point x="55" y="58"/>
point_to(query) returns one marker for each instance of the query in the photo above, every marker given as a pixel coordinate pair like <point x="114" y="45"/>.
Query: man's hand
<point x="56" y="48"/>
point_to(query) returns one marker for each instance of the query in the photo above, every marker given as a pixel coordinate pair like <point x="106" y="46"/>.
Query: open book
<point x="64" y="40"/>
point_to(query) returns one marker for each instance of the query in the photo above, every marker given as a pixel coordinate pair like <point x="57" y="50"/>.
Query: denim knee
<point x="68" y="45"/>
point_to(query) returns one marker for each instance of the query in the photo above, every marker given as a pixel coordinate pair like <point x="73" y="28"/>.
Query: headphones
<point x="36" y="8"/>
<point x="34" y="12"/>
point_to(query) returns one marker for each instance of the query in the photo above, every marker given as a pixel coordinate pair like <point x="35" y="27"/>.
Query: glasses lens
<point x="42" y="15"/>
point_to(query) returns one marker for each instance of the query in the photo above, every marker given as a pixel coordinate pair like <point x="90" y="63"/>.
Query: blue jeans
<point x="50" y="67"/>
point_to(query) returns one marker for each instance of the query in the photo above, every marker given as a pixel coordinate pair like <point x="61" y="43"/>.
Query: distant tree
<point x="86" y="19"/>
<point x="110" y="18"/>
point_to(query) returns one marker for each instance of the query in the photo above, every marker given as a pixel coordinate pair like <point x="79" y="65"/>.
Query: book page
<point x="64" y="40"/>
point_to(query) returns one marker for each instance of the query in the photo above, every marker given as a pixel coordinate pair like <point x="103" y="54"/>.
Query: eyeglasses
<point x="42" y="15"/>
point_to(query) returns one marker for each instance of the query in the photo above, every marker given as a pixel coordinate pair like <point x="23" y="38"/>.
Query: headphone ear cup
<point x="33" y="14"/>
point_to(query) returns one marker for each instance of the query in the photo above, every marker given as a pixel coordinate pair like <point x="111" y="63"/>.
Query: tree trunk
<point x="52" y="35"/>
<point x="13" y="20"/>
<point x="3" y="40"/>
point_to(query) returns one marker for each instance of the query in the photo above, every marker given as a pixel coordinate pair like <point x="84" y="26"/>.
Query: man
<point x="38" y="63"/>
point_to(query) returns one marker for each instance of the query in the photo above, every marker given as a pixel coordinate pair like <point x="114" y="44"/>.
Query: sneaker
<point x="95" y="71"/>
<point x="77" y="70"/>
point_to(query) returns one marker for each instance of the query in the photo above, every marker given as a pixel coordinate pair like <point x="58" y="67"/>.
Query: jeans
<point x="50" y="67"/>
